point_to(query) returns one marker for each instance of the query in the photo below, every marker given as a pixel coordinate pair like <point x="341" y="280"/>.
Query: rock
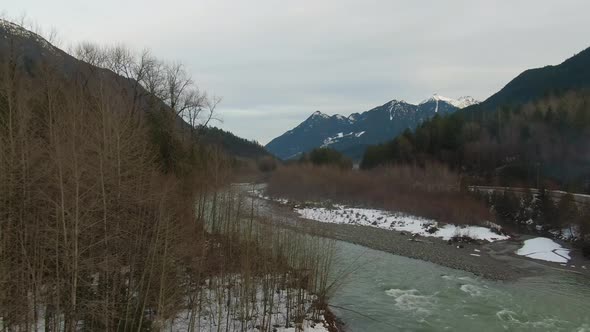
<point x="402" y="233"/>
<point x="432" y="229"/>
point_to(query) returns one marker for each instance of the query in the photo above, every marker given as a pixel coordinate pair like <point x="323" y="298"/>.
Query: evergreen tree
<point x="507" y="207"/>
<point x="567" y="211"/>
<point x="544" y="209"/>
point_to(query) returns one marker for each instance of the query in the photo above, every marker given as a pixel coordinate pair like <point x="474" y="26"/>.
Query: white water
<point x="391" y="293"/>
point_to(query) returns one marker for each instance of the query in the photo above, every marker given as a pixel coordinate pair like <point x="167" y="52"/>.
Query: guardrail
<point x="556" y="195"/>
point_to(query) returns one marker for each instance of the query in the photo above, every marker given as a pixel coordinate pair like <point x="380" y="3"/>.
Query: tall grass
<point x="258" y="273"/>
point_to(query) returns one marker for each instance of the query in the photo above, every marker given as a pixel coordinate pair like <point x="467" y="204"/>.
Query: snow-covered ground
<point x="341" y="214"/>
<point x="227" y="308"/>
<point x="544" y="249"/>
<point x="260" y="194"/>
<point x="396" y="221"/>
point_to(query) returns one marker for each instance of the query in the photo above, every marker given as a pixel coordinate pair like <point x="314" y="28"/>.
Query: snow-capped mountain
<point x="351" y="135"/>
<point x="462" y="102"/>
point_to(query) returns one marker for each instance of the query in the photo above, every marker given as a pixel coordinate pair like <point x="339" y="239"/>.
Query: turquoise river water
<point x="385" y="292"/>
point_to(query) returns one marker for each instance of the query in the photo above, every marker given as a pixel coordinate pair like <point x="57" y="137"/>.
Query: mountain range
<point x="351" y="135"/>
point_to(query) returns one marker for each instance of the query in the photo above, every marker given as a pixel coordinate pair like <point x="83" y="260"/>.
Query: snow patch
<point x="544" y="249"/>
<point x="341" y="214"/>
<point x="339" y="136"/>
<point x="260" y="194"/>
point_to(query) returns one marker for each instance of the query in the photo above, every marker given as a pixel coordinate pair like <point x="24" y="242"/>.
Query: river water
<point x="385" y="292"/>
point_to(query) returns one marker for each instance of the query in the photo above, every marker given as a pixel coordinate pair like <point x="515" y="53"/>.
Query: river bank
<point x="495" y="260"/>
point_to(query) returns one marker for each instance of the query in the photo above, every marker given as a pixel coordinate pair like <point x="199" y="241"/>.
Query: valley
<point x="276" y="167"/>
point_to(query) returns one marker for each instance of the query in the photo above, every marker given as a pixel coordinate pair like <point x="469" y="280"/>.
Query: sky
<point x="275" y="62"/>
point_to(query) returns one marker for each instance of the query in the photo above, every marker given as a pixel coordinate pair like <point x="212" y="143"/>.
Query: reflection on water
<point x="384" y="292"/>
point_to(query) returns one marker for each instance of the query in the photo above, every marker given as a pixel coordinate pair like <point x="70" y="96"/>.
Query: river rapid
<point x="385" y="292"/>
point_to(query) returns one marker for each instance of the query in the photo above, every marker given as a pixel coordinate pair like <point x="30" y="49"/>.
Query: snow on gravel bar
<point x="544" y="249"/>
<point x="396" y="221"/>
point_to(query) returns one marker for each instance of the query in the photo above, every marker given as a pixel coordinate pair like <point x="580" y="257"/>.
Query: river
<point x="381" y="291"/>
<point x="385" y="292"/>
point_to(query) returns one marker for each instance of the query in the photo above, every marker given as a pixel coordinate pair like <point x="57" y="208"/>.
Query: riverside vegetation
<point x="115" y="216"/>
<point x="433" y="190"/>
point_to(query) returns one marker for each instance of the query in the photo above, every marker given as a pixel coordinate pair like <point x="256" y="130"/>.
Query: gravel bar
<point x="495" y="260"/>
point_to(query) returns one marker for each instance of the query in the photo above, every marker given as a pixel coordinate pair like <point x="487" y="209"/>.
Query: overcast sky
<point x="275" y="62"/>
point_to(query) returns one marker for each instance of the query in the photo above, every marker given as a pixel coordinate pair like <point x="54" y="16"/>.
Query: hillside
<point x="532" y="84"/>
<point x="232" y="144"/>
<point x="351" y="135"/>
<point x="33" y="55"/>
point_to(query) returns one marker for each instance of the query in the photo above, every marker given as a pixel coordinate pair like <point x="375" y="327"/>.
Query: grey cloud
<point x="275" y="62"/>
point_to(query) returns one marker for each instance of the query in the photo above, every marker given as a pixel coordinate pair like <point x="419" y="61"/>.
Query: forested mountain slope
<point x="541" y="143"/>
<point x="532" y="84"/>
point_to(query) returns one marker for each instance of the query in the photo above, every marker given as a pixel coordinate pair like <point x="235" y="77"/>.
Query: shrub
<point x="267" y="164"/>
<point x="327" y="157"/>
<point x="430" y="192"/>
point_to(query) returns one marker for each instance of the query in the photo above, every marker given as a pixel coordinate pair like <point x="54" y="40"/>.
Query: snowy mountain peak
<point x="437" y="97"/>
<point x="465" y="101"/>
<point x="462" y="102"/>
<point x="353" y="117"/>
<point x="318" y="114"/>
<point x="396" y="102"/>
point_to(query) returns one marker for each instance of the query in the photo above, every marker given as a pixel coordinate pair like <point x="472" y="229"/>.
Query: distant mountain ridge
<point x="352" y="134"/>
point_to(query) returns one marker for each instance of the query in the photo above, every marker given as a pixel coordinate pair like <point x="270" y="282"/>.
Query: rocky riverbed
<point x="495" y="260"/>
